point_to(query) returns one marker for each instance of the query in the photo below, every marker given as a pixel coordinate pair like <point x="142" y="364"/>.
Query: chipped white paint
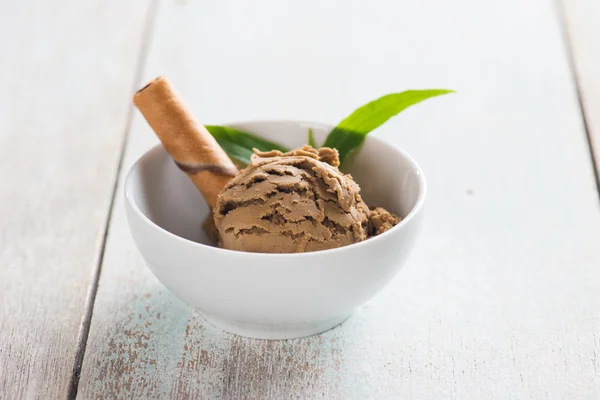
<point x="500" y="299"/>
<point x="66" y="72"/>
<point x="582" y="24"/>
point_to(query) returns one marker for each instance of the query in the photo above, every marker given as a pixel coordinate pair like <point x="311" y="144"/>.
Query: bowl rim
<point x="415" y="210"/>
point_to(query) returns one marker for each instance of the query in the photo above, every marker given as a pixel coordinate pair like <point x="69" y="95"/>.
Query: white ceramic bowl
<point x="272" y="296"/>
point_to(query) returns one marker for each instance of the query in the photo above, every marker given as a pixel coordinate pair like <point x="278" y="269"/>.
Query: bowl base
<point x="274" y="332"/>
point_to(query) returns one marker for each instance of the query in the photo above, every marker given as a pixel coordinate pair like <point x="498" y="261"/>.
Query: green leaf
<point x="351" y="132"/>
<point x="238" y="145"/>
<point x="236" y="152"/>
<point x="311" y="138"/>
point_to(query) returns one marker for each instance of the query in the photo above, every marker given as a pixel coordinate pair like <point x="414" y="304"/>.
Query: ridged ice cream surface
<point x="294" y="202"/>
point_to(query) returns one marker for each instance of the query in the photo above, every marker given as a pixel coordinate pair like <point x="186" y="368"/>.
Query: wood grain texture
<point x="583" y="30"/>
<point x="500" y="298"/>
<point x="66" y="73"/>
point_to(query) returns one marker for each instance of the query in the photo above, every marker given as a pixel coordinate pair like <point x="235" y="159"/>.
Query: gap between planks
<point x="568" y="39"/>
<point x="84" y="328"/>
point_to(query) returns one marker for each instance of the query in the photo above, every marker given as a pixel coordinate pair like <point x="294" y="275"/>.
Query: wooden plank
<point x="500" y="298"/>
<point x="65" y="76"/>
<point x="583" y="30"/>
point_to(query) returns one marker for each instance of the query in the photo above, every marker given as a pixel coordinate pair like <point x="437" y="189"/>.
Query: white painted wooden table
<point x="501" y="297"/>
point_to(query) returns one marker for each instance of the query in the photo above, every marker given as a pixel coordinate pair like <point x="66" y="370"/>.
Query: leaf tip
<point x="311" y="138"/>
<point x="445" y="91"/>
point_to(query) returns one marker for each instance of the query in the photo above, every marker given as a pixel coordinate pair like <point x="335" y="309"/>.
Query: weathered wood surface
<point x="500" y="298"/>
<point x="582" y="23"/>
<point x="66" y="71"/>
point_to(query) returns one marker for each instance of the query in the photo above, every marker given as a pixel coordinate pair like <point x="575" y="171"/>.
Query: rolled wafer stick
<point x="192" y="147"/>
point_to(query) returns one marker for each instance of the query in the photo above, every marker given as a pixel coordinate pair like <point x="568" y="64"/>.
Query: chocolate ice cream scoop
<point x="293" y="202"/>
